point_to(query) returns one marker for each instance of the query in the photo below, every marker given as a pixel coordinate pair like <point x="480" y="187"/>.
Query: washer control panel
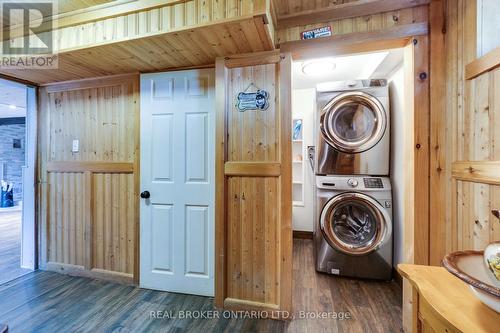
<point x="352" y="182"/>
<point x="373" y="182"/>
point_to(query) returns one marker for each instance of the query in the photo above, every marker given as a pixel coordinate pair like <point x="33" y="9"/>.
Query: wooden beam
<point x="15" y="79"/>
<point x="252" y="59"/>
<point x="94" y="82"/>
<point x="345" y="10"/>
<point x="487" y="62"/>
<point x="252" y="169"/>
<point x="358" y="42"/>
<point x="101" y="167"/>
<point x="486" y="172"/>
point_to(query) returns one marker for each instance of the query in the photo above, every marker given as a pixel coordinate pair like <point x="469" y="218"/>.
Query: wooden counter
<point x="444" y="303"/>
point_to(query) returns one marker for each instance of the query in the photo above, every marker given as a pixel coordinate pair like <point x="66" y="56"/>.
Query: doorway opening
<point x="17" y="179"/>
<point x="347" y="173"/>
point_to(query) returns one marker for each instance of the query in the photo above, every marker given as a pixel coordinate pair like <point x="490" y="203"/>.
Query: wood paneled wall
<point x="475" y="226"/>
<point x="376" y="22"/>
<point x="253" y="174"/>
<point x="88" y="211"/>
<point x="463" y="135"/>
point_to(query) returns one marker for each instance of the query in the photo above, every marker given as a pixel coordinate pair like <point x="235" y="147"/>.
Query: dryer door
<point x="353" y="122"/>
<point x="355" y="223"/>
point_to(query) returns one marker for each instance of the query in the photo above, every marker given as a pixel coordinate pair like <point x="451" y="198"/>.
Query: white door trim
<point x="28" y="252"/>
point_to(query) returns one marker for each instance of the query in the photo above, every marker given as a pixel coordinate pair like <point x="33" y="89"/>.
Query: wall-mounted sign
<point x="325" y="31"/>
<point x="258" y="100"/>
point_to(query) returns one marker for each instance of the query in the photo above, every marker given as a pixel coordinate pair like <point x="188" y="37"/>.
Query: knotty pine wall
<point x="253" y="194"/>
<point x="464" y="134"/>
<point x="367" y="23"/>
<point x="88" y="201"/>
<point x="478" y="141"/>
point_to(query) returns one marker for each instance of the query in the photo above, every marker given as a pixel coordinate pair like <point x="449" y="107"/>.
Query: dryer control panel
<point x="373" y="182"/>
<point x="353" y="183"/>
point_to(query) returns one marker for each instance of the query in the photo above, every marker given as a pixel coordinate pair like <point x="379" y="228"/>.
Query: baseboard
<point x="397" y="277"/>
<point x="95" y="273"/>
<point x="301" y="234"/>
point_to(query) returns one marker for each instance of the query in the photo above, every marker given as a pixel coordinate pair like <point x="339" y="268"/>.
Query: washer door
<point x="355" y="223"/>
<point x="353" y="122"/>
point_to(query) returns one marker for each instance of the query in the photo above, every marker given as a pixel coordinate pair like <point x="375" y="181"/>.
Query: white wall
<point x="303" y="106"/>
<point x="396" y="90"/>
<point x="488" y="26"/>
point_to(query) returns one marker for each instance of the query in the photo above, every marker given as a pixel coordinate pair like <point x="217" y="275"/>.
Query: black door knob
<point x="145" y="195"/>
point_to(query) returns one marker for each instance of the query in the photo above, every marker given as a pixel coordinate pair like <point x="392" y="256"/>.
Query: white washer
<point x="353" y="226"/>
<point x="352" y="128"/>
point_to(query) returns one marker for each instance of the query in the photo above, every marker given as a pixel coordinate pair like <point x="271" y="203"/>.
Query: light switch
<point x="76" y="146"/>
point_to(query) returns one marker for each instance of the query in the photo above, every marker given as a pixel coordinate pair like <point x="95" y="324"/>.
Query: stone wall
<point x="12" y="158"/>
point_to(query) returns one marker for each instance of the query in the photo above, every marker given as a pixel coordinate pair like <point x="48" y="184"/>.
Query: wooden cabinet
<point x="442" y="303"/>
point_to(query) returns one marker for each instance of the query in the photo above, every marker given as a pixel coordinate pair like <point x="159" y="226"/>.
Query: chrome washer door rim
<point x="327" y="123"/>
<point x="383" y="222"/>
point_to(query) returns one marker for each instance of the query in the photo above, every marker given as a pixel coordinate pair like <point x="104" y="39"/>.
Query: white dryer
<point x="353" y="226"/>
<point x="352" y="128"/>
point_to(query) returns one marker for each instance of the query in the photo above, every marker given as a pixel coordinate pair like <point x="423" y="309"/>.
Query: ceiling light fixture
<point x="12" y="107"/>
<point x="318" y="67"/>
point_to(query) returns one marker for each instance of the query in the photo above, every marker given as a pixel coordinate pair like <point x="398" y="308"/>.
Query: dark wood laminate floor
<point x="51" y="302"/>
<point x="10" y="246"/>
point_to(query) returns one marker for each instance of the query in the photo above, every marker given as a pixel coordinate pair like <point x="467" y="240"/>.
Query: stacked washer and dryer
<point x="353" y="198"/>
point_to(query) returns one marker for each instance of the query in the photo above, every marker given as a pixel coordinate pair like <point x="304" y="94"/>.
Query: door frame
<point x="417" y="141"/>
<point x="417" y="144"/>
<point x="29" y="224"/>
<point x="29" y="242"/>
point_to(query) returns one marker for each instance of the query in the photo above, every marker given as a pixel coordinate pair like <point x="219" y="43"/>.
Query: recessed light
<point x="12" y="107"/>
<point x="318" y="67"/>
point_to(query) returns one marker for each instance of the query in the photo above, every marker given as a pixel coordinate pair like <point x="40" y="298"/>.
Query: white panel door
<point x="177" y="169"/>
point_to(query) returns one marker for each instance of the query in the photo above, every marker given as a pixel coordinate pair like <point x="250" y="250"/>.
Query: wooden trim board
<point x="284" y="104"/>
<point x="301" y="234"/>
<point x="481" y="65"/>
<point x="485" y="172"/>
<point x="93" y="82"/>
<point x="221" y="183"/>
<point x="94" y="273"/>
<point x="345" y="10"/>
<point x="95" y="167"/>
<point x="256" y="169"/>
<point x="252" y="59"/>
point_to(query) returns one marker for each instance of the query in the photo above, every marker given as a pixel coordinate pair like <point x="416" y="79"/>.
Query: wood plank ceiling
<point x="183" y="48"/>
<point x="65" y="6"/>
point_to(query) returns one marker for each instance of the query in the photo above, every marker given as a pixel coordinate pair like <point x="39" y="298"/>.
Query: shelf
<point x="298" y="175"/>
